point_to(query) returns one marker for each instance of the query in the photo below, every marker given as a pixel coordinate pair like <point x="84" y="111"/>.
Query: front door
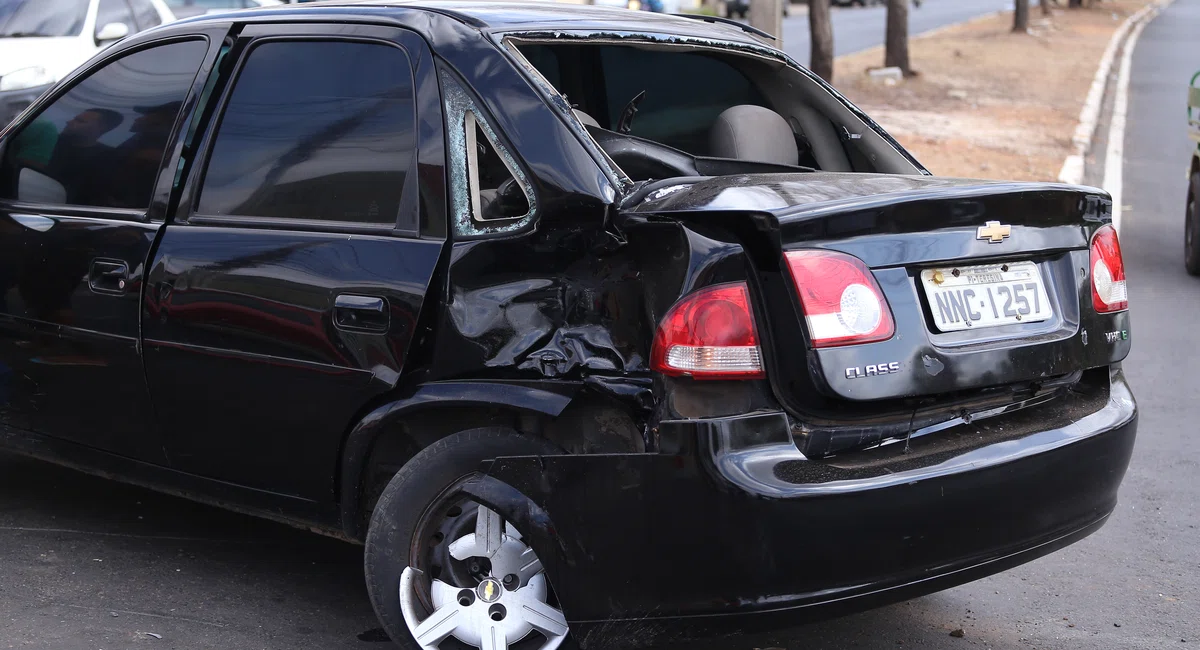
<point x="285" y="292"/>
<point x="76" y="183"/>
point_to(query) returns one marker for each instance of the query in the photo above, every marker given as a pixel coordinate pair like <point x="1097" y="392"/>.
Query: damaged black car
<point x="591" y="325"/>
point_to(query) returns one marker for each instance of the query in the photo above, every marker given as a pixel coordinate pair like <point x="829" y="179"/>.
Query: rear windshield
<point x="668" y="110"/>
<point x="685" y="91"/>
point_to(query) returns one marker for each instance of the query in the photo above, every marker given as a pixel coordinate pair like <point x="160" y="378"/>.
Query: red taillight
<point x="842" y="301"/>
<point x="1108" y="272"/>
<point x="710" y="334"/>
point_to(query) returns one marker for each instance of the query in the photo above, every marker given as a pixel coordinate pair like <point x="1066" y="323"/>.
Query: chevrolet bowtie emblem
<point x="993" y="231"/>
<point x="489" y="590"/>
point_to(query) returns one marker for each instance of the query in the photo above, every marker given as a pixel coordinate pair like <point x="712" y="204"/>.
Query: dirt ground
<point x="988" y="102"/>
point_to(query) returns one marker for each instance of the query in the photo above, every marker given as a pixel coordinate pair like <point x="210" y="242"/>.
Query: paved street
<point x="858" y="28"/>
<point x="87" y="564"/>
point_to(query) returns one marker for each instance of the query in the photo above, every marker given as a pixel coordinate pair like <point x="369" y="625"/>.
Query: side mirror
<point x="111" y="32"/>
<point x="37" y="187"/>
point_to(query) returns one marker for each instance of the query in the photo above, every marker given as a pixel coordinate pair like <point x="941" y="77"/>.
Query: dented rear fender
<point x="547" y="399"/>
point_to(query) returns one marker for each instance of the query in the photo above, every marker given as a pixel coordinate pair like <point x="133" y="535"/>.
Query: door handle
<point x="361" y="313"/>
<point x="108" y="276"/>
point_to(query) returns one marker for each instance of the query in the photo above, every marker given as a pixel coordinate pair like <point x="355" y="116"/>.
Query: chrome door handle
<point x="108" y="276"/>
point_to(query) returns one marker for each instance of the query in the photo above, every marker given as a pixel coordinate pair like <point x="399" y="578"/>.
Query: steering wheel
<point x="643" y="159"/>
<point x="505" y="202"/>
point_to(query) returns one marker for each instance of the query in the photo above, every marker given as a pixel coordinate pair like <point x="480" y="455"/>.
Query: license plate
<point x="969" y="297"/>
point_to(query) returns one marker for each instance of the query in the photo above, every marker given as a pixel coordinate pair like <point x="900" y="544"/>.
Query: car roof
<point x="507" y="16"/>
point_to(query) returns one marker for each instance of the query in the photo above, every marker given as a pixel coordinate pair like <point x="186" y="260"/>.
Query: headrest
<point x="755" y="134"/>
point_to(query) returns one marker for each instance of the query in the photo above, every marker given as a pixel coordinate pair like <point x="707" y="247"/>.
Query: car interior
<point x="669" y="110"/>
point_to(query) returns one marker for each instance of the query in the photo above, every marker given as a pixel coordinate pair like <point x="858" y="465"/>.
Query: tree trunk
<point x="1046" y="8"/>
<point x="896" y="44"/>
<point x="821" y="37"/>
<point x="1021" y="16"/>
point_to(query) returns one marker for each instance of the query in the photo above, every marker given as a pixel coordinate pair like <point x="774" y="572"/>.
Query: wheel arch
<point x="445" y="407"/>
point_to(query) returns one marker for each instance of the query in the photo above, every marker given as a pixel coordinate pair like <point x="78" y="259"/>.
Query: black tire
<point x="1191" y="234"/>
<point x="407" y="497"/>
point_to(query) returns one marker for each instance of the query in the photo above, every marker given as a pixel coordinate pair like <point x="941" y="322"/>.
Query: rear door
<point x="286" y="290"/>
<point x="80" y="207"/>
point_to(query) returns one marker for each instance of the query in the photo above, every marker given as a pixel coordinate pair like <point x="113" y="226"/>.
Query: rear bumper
<point x="735" y="531"/>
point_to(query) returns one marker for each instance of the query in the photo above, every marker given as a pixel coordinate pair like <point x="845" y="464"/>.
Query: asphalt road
<point x="858" y="28"/>
<point x="88" y="564"/>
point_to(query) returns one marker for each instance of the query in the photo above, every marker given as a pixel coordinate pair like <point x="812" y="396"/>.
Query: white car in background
<point x="187" y="8"/>
<point x="42" y="40"/>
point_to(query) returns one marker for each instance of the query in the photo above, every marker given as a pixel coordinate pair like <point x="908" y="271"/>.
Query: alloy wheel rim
<point x="500" y="600"/>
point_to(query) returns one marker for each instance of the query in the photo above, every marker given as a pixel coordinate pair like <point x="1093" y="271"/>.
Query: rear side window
<point x="315" y="130"/>
<point x="101" y="144"/>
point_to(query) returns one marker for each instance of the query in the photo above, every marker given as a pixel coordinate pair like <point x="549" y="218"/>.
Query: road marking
<point x="1114" y="157"/>
<point x="1073" y="167"/>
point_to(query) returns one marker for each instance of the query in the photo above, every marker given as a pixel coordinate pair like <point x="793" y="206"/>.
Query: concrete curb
<point x="1073" y="167"/>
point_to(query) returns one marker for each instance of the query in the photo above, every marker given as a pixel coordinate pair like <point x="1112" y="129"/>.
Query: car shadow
<point x="93" y="560"/>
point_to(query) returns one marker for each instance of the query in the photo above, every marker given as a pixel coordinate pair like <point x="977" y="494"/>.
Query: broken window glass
<point x="496" y="193"/>
<point x="489" y="192"/>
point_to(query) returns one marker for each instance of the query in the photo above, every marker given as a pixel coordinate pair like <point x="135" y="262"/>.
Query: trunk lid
<point x="891" y="220"/>
<point x="900" y="226"/>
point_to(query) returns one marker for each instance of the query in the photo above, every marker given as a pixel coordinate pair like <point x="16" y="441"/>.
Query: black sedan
<point x="586" y="322"/>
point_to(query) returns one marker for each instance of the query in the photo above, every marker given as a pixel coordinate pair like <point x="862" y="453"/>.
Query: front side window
<point x="315" y="130"/>
<point x="42" y="18"/>
<point x="101" y="144"/>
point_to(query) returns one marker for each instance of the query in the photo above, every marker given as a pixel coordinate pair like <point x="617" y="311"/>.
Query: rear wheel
<point x="444" y="571"/>
<point x="1191" y="230"/>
